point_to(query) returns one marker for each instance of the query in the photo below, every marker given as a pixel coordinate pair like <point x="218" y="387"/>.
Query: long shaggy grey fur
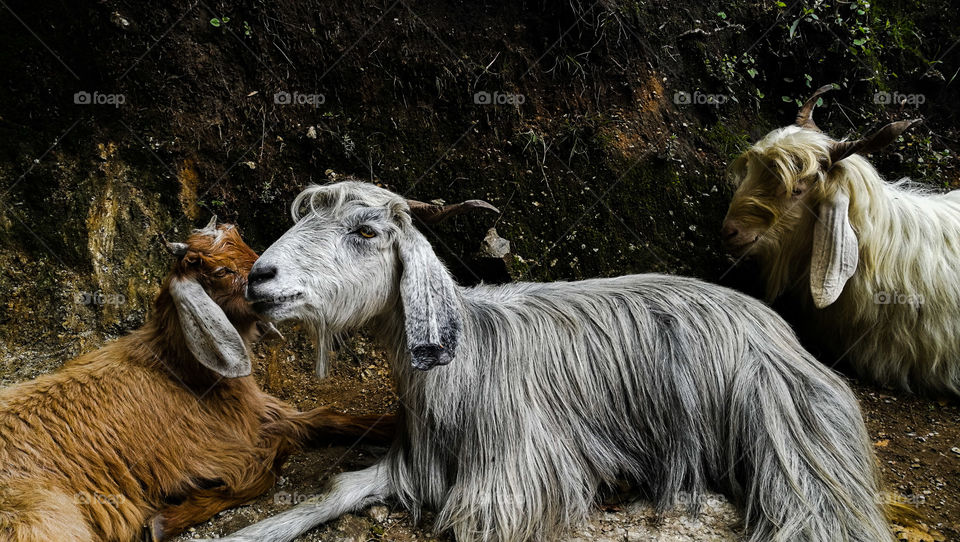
<point x="556" y="391"/>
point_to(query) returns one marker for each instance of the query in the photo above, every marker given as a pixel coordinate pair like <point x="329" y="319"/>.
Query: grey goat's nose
<point x="260" y="274"/>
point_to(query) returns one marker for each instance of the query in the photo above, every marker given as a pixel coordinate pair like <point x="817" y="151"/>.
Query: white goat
<point x="882" y="259"/>
<point x="555" y="391"/>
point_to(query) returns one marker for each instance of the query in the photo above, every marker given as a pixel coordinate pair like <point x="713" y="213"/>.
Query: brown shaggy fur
<point x="139" y="431"/>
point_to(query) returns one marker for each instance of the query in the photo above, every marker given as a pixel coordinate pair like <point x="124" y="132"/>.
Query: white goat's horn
<point x="872" y="143"/>
<point x="805" y="115"/>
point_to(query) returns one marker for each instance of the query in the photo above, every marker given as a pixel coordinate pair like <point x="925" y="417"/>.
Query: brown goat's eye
<point x="366" y="232"/>
<point x="797" y="191"/>
<point x="221" y="272"/>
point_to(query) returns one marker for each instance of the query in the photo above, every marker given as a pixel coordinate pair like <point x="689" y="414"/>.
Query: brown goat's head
<point x="207" y="285"/>
<point x="788" y="198"/>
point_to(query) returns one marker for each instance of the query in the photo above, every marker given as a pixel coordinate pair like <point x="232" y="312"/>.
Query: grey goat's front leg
<point x="349" y="491"/>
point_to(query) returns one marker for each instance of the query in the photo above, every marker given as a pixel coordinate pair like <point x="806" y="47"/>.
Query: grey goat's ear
<point x="210" y="336"/>
<point x="431" y="303"/>
<point x="835" y="251"/>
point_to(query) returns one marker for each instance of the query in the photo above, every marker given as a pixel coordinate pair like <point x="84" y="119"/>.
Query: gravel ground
<point x="631" y="520"/>
<point x="917" y="442"/>
<point x="914" y="439"/>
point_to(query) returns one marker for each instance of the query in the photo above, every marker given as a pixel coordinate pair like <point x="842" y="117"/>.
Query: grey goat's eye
<point x="366" y="232"/>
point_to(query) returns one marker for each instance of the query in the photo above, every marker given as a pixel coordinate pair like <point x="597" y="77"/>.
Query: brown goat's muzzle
<point x="217" y="257"/>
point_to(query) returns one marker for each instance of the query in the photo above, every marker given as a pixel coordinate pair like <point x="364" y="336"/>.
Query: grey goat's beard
<point x="325" y="340"/>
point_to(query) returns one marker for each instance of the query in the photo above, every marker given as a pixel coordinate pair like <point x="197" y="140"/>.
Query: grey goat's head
<point x="352" y="256"/>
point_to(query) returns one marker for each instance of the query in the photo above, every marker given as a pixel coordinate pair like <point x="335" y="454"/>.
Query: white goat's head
<point x="352" y="255"/>
<point x="791" y="200"/>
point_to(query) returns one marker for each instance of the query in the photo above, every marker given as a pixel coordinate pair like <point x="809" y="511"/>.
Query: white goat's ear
<point x="835" y="251"/>
<point x="210" y="336"/>
<point x="431" y="303"/>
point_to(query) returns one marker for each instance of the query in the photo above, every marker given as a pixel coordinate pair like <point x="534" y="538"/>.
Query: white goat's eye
<point x="797" y="191"/>
<point x="366" y="232"/>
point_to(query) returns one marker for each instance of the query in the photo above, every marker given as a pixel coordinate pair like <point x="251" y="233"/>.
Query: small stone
<point x="119" y="20"/>
<point x="494" y="246"/>
<point x="378" y="513"/>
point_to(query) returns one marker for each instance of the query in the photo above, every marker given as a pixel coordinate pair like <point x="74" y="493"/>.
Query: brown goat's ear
<point x="835" y="251"/>
<point x="209" y="335"/>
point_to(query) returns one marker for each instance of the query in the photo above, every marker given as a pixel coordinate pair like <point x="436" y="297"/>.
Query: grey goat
<point x="522" y="403"/>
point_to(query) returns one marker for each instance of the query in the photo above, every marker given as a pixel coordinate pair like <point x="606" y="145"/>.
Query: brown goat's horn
<point x="872" y="143"/>
<point x="177" y="249"/>
<point x="431" y="214"/>
<point x="805" y="115"/>
<point x="210" y="228"/>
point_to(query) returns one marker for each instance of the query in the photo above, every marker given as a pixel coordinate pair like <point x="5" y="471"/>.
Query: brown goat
<point x="163" y="427"/>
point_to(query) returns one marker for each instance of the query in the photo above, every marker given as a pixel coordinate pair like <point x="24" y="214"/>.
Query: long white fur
<point x="898" y="316"/>
<point x="557" y="391"/>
